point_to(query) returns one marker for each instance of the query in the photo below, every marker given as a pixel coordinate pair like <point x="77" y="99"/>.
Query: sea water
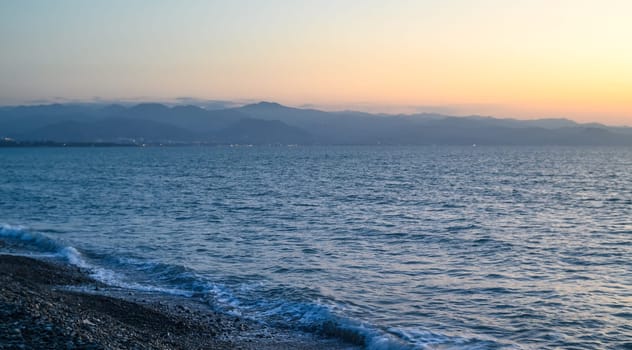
<point x="385" y="247"/>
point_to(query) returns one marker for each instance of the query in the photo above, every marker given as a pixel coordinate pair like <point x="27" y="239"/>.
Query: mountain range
<point x="272" y="123"/>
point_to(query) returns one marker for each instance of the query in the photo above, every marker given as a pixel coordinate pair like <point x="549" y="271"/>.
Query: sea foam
<point x="25" y="242"/>
<point x="311" y="316"/>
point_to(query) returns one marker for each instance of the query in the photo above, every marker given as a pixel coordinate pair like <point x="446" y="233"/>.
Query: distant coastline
<point x="268" y="123"/>
<point x="4" y="143"/>
<point x="16" y="144"/>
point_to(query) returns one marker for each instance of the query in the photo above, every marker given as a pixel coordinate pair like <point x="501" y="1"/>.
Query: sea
<point x="386" y="247"/>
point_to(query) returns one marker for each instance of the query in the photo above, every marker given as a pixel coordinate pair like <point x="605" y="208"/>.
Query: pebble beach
<point x="47" y="305"/>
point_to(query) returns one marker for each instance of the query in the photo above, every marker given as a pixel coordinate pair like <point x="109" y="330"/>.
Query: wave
<point x="19" y="236"/>
<point x="38" y="245"/>
<point x="280" y="307"/>
<point x="322" y="318"/>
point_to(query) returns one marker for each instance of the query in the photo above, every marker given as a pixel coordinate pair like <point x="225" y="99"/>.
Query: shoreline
<point x="49" y="305"/>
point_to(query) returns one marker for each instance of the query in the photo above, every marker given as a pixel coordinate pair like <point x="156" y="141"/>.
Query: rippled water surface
<point x="393" y="247"/>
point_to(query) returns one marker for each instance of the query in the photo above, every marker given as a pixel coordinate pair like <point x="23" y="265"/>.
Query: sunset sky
<point x="524" y="59"/>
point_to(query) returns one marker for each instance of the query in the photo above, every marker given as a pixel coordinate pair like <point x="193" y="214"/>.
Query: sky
<point x="522" y="59"/>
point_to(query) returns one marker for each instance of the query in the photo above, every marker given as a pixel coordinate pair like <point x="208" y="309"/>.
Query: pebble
<point x="36" y="315"/>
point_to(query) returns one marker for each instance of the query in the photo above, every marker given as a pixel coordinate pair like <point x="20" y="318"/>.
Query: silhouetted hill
<point x="187" y="117"/>
<point x="273" y="123"/>
<point x="258" y="131"/>
<point x="327" y="127"/>
<point x="111" y="130"/>
<point x="21" y="119"/>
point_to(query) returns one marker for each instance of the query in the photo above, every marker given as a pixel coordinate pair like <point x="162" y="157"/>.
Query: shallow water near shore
<point x="386" y="247"/>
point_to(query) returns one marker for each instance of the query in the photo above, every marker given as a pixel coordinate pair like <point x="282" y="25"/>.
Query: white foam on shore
<point x="314" y="316"/>
<point x="23" y="236"/>
<point x="46" y="247"/>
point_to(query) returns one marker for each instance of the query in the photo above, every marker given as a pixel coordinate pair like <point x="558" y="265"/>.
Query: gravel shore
<point x="47" y="305"/>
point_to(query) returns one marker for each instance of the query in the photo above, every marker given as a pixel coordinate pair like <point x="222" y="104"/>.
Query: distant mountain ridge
<point x="273" y="123"/>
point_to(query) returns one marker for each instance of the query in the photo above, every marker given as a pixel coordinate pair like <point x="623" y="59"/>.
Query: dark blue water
<point x="421" y="247"/>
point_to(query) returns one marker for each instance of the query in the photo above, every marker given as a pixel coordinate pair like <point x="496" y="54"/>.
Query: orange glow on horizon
<point x="533" y="59"/>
